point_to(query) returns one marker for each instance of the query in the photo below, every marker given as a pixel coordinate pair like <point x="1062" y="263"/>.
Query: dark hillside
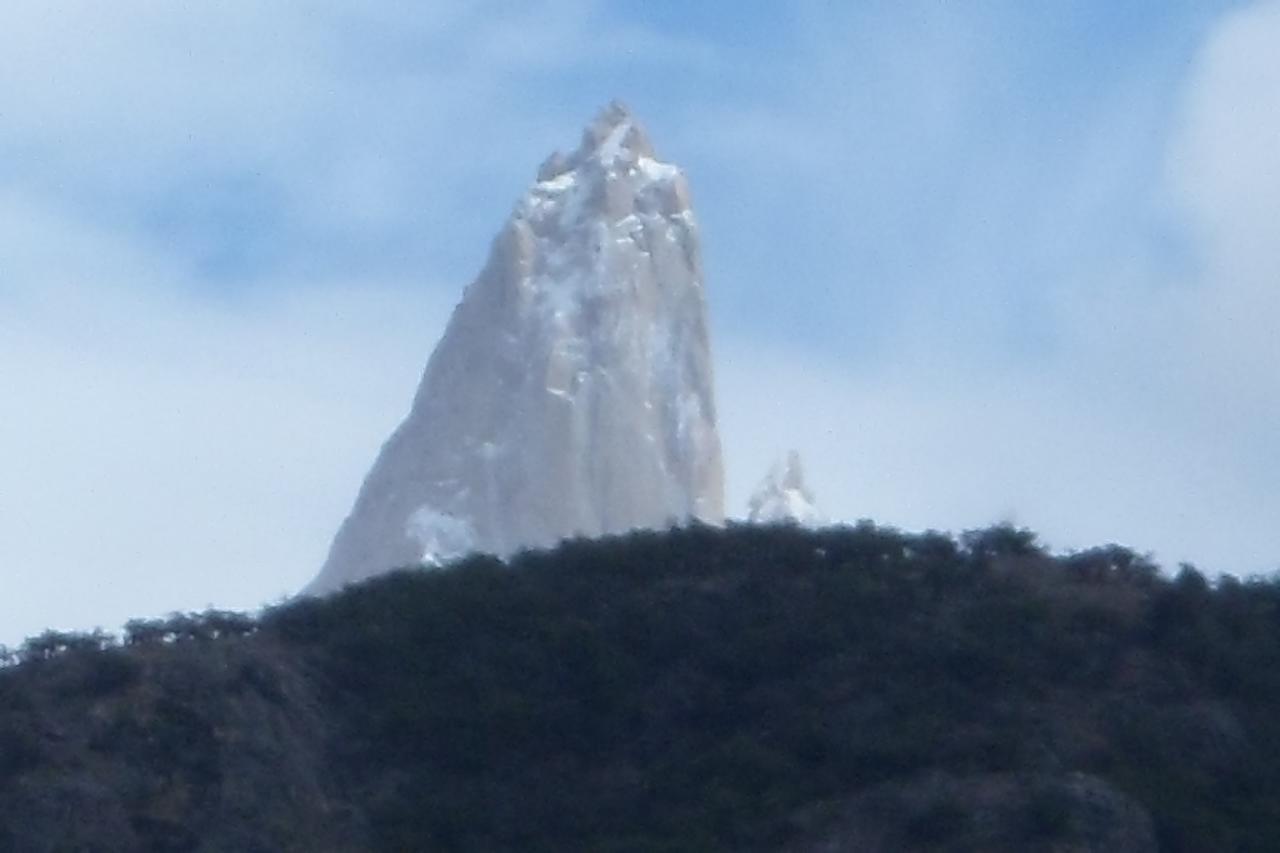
<point x="755" y="688"/>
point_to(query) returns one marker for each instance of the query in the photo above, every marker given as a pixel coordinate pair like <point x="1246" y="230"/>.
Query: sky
<point x="981" y="262"/>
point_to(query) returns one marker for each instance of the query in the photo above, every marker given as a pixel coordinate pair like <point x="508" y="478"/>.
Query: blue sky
<point x="977" y="262"/>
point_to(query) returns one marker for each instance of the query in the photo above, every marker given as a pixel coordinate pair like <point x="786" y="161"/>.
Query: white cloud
<point x="137" y="90"/>
<point x="163" y="452"/>
<point x="1225" y="171"/>
<point x="168" y="446"/>
<point x="173" y="440"/>
<point x="1150" y="420"/>
<point x="1225" y="166"/>
<point x="968" y="445"/>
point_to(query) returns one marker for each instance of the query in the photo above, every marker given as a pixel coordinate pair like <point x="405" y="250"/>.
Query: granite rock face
<point x="784" y="497"/>
<point x="571" y="393"/>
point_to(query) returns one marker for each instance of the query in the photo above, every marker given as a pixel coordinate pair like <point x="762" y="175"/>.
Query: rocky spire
<point x="783" y="496"/>
<point x="571" y="393"/>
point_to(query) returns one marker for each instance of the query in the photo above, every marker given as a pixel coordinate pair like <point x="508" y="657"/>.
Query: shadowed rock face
<point x="571" y="393"/>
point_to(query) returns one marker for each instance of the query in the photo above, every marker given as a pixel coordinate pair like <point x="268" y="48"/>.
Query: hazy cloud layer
<point x="160" y="452"/>
<point x="968" y="280"/>
<point x="1147" y="412"/>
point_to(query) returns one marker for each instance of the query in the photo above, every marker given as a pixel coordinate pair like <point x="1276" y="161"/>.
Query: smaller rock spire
<point x="784" y="497"/>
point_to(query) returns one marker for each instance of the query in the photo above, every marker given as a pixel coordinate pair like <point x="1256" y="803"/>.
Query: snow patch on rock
<point x="441" y="536"/>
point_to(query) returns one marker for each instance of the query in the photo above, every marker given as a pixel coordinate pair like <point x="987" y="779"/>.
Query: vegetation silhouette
<point x="697" y="689"/>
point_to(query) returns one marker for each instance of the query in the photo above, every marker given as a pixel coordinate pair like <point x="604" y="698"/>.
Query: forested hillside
<point x="744" y="689"/>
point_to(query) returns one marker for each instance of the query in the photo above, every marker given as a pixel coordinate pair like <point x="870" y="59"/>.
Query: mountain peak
<point x="612" y="115"/>
<point x="571" y="394"/>
<point x="614" y="133"/>
<point x="613" y="139"/>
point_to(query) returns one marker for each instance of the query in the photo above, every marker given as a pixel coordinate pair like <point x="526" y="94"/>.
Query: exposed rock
<point x="571" y="393"/>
